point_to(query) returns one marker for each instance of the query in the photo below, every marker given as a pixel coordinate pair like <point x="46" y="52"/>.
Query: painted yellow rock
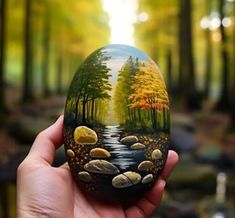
<point x="146" y="165"/>
<point x="126" y="179"/>
<point x="85" y="136"/>
<point x="116" y="123"/>
<point x="156" y="154"/>
<point x="138" y="146"/>
<point x="99" y="153"/>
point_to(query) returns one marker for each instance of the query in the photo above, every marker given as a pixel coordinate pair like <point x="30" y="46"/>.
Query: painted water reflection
<point x="122" y="156"/>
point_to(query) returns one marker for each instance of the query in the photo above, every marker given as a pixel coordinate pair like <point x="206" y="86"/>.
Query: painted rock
<point x="116" y="123"/>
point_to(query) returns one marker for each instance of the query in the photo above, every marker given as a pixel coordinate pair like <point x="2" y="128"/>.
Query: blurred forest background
<point x="43" y="42"/>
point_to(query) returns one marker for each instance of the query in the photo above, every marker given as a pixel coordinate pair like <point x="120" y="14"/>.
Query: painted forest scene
<point x="48" y="68"/>
<point x="119" y="85"/>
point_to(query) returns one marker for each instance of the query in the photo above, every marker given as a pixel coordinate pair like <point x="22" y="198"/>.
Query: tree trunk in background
<point x="232" y="108"/>
<point x="28" y="67"/>
<point x="232" y="90"/>
<point x="208" y="63"/>
<point x="59" y="75"/>
<point x="208" y="56"/>
<point x="223" y="103"/>
<point x="2" y="55"/>
<point x="181" y="45"/>
<point x="46" y="55"/>
<point x="186" y="64"/>
<point x="169" y="70"/>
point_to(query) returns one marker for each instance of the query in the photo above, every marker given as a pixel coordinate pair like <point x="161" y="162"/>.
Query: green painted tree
<point x="123" y="90"/>
<point x="90" y="84"/>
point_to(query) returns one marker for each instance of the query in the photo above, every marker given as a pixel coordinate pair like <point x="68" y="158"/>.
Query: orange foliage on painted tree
<point x="148" y="90"/>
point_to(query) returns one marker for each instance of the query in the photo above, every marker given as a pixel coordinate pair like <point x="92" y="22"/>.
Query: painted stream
<point x="122" y="155"/>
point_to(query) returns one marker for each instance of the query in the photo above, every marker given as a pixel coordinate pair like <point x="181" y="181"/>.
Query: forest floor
<point x="23" y="121"/>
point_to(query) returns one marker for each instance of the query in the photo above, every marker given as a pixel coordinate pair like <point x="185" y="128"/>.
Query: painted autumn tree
<point x="149" y="93"/>
<point x="123" y="90"/>
<point x="91" y="84"/>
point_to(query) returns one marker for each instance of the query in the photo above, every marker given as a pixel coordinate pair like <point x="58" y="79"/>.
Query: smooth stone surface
<point x="156" y="154"/>
<point x="85" y="136"/>
<point x="101" y="166"/>
<point x="137" y="146"/>
<point x="129" y="140"/>
<point x="84" y="176"/>
<point x="99" y="153"/>
<point x="146" y="165"/>
<point x="117" y="124"/>
<point x="147" y="179"/>
<point x="126" y="179"/>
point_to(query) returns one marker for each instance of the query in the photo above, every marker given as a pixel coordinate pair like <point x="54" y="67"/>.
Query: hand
<point x="46" y="191"/>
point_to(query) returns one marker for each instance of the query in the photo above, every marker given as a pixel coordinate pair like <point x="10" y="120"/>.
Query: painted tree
<point x="91" y="83"/>
<point x="123" y="90"/>
<point x="149" y="92"/>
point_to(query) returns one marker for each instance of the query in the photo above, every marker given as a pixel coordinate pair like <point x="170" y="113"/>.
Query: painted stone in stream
<point x="101" y="167"/>
<point x="99" y="153"/>
<point x="116" y="124"/>
<point x="137" y="146"/>
<point x="129" y="140"/>
<point x="126" y="179"/>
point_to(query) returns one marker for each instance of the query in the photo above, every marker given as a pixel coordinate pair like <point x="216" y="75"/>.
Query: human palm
<point x="46" y="191"/>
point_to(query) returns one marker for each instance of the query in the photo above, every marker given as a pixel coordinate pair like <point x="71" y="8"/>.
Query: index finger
<point x="47" y="141"/>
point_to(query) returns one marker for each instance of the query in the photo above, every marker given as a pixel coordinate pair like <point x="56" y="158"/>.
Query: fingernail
<point x="162" y="183"/>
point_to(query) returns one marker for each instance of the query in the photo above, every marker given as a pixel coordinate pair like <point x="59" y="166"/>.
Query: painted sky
<point x="119" y="54"/>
